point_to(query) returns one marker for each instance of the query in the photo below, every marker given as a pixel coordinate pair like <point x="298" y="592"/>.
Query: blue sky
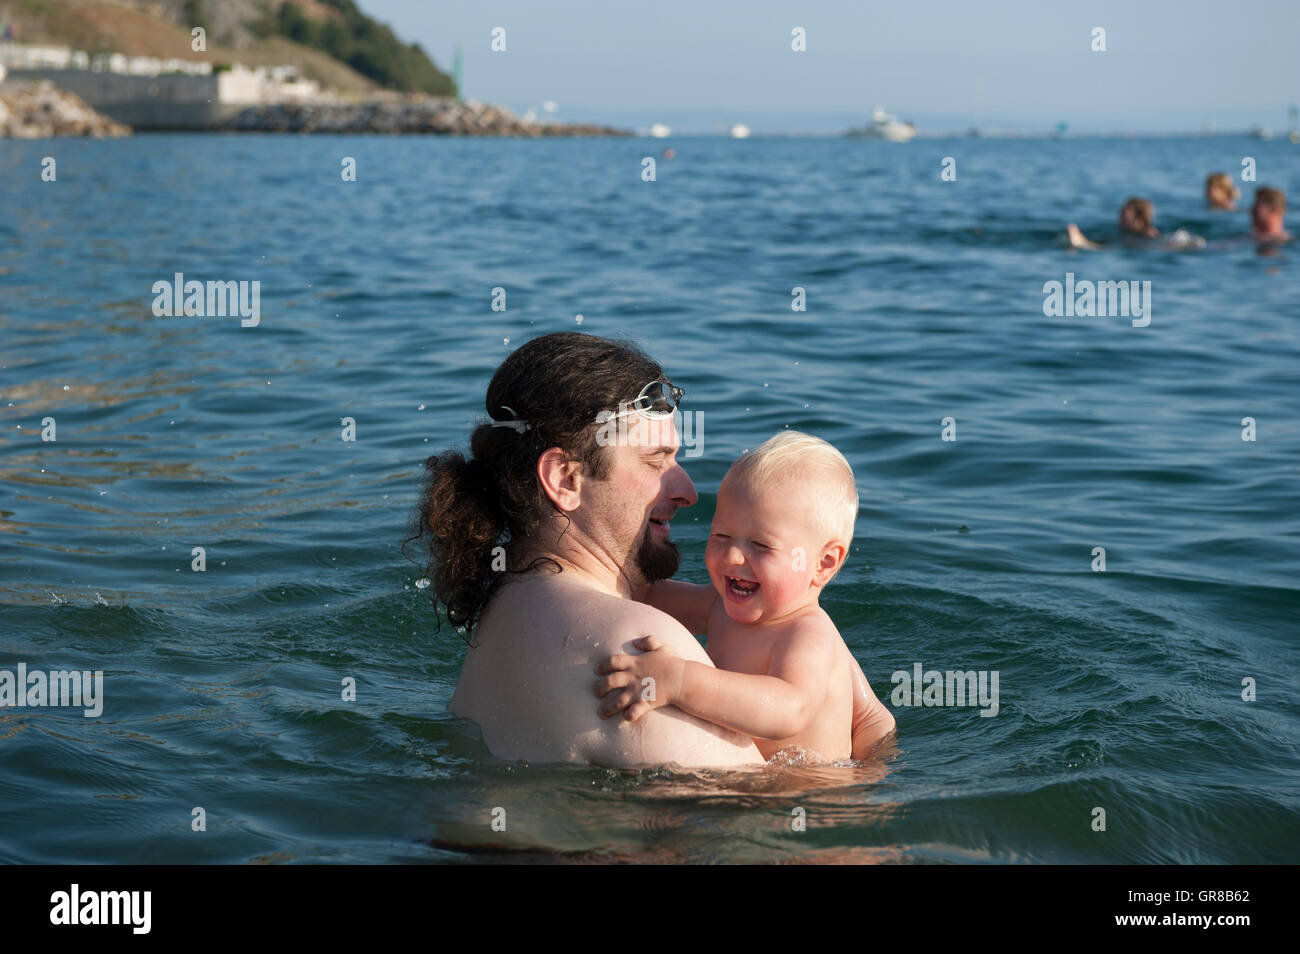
<point x="1018" y="65"/>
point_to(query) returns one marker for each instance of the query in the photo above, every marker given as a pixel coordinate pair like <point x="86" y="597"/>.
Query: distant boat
<point x="660" y="131"/>
<point x="1261" y="132"/>
<point x="740" y="131"/>
<point x="886" y="127"/>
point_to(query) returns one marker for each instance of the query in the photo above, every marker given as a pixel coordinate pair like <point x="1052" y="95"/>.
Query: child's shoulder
<point x="814" y="628"/>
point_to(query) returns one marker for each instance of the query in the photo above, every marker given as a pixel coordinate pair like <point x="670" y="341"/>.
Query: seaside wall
<point x="166" y="101"/>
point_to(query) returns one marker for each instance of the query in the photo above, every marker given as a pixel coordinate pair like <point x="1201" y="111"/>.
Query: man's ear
<point x="833" y="556"/>
<point x="561" y="478"/>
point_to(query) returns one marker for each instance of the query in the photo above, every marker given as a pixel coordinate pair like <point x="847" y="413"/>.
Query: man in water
<point x="540" y="542"/>
<point x="1137" y="218"/>
<point x="1137" y="223"/>
<point x="1266" y="216"/>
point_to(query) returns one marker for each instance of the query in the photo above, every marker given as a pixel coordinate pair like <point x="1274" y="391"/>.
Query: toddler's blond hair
<point x="795" y="455"/>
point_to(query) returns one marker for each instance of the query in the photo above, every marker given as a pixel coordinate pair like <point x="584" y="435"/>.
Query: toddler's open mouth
<point x="741" y="589"/>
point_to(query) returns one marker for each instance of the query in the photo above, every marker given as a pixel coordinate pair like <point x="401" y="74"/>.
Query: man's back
<point x="528" y="681"/>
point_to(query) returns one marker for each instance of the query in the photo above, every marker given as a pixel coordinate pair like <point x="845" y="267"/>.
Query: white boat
<point x="740" y="131"/>
<point x="886" y="127"/>
<point x="660" y="131"/>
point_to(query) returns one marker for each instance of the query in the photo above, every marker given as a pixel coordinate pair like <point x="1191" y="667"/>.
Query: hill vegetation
<point x="330" y="41"/>
<point x="368" y="47"/>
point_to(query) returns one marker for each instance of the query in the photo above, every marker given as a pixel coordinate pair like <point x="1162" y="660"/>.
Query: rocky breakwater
<point x="427" y="116"/>
<point x="41" y="110"/>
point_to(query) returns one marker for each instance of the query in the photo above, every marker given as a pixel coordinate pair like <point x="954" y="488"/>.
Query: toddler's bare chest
<point x="740" y="648"/>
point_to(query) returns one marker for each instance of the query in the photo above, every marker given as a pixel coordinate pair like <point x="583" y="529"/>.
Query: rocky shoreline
<point x="423" y="116"/>
<point x="37" y="110"/>
<point x="42" y="110"/>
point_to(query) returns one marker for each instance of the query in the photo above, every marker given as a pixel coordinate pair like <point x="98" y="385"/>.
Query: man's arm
<point x="774" y="706"/>
<point x="688" y="603"/>
<point x="667" y="735"/>
<point x="872" y="722"/>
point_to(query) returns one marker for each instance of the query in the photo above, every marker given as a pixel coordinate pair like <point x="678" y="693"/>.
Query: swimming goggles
<point x="658" y="399"/>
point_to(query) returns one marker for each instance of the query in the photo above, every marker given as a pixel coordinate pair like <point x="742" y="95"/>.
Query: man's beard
<point x="656" y="561"/>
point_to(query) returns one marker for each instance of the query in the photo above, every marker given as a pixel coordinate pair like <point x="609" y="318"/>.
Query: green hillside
<point x="369" y="47"/>
<point x="331" y="41"/>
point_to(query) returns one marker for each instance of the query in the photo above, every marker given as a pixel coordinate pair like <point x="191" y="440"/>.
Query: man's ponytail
<point x="462" y="516"/>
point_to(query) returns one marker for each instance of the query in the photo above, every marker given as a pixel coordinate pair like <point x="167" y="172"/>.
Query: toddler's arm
<point x="872" y="722"/>
<point x="774" y="706"/>
<point x="688" y="603"/>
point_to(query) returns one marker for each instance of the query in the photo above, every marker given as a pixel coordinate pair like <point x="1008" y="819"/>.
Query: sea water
<point x="1073" y="503"/>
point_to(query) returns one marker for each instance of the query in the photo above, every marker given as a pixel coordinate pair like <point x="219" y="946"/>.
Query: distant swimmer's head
<point x="578" y="455"/>
<point x="1137" y="217"/>
<point x="1268" y="211"/>
<point x="1220" y="191"/>
<point x="783" y="526"/>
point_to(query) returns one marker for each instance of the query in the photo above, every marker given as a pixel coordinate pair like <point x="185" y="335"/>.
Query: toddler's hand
<point x="634" y="685"/>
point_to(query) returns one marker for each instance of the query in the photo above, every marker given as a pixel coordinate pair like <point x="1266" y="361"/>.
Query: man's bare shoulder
<point x="593" y="621"/>
<point x="549" y="633"/>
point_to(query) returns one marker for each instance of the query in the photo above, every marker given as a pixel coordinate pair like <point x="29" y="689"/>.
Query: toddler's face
<point x="762" y="551"/>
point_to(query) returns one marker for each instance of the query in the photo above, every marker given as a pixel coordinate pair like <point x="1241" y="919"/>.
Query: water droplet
<point x="505" y="341"/>
<point x="578" y="318"/>
<point x="67" y="388"/>
<point x="420" y="408"/>
<point x="422" y="584"/>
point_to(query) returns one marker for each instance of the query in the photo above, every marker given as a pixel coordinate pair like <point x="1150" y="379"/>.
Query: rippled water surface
<point x="1119" y="690"/>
